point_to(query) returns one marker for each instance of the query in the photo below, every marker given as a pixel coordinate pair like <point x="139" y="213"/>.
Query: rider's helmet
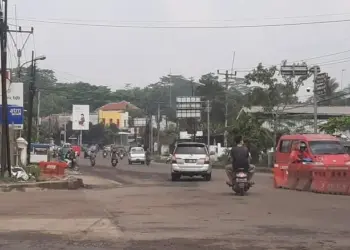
<point x="302" y="146"/>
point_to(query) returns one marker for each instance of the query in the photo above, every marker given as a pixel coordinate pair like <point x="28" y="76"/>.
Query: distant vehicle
<point x="137" y="155"/>
<point x="190" y="159"/>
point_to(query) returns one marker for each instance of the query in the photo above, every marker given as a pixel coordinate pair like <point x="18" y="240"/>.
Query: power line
<point x="105" y="25"/>
<point x="308" y="59"/>
<point x="190" y="21"/>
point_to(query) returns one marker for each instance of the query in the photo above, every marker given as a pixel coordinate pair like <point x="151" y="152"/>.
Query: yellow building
<point x="115" y="113"/>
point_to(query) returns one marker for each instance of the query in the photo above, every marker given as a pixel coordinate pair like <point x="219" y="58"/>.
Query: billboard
<point x="15" y="109"/>
<point x="80" y="117"/>
<point x="140" y="122"/>
<point x="188" y="107"/>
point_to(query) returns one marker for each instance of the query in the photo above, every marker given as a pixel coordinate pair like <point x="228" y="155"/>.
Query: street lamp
<point x="39" y="58"/>
<point x="31" y="94"/>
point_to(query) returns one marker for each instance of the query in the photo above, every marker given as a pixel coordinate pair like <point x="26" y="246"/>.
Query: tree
<point x="274" y="92"/>
<point x="254" y="134"/>
<point x="336" y="124"/>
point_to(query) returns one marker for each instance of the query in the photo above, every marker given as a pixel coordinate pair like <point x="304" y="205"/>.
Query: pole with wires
<point x="5" y="139"/>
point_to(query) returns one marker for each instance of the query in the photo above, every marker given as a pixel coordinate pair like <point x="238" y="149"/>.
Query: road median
<point x="67" y="184"/>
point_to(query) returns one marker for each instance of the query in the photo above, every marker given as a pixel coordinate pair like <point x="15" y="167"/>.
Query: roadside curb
<point x="69" y="184"/>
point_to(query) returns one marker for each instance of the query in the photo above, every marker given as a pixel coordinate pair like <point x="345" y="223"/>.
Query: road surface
<point x="137" y="207"/>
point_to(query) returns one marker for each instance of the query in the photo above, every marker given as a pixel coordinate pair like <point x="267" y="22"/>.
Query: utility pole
<point x="38" y="117"/>
<point x="158" y="128"/>
<point x="31" y="94"/>
<point x="194" y="119"/>
<point x="208" y="123"/>
<point x="228" y="76"/>
<point x="5" y="139"/>
<point x="151" y="135"/>
<point x="20" y="49"/>
<point x="315" y="101"/>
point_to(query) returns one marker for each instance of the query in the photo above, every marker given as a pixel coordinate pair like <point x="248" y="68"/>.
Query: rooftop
<point x="300" y="109"/>
<point x="116" y="106"/>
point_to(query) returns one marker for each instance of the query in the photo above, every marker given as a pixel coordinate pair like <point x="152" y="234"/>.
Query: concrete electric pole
<point x="228" y="76"/>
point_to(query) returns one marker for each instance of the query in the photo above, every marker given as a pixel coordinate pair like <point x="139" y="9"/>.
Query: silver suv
<point x="190" y="159"/>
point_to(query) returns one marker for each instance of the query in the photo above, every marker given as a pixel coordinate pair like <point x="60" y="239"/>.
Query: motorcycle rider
<point x="240" y="159"/>
<point x="147" y="154"/>
<point x="114" y="153"/>
<point x="70" y="155"/>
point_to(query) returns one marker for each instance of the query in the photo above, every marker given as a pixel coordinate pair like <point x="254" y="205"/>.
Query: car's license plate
<point x="241" y="180"/>
<point x="190" y="161"/>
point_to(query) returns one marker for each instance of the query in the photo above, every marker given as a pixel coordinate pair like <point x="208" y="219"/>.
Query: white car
<point x="191" y="159"/>
<point x="137" y="155"/>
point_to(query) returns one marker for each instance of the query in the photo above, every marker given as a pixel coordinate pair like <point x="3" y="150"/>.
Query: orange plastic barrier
<point x="280" y="176"/>
<point x="331" y="180"/>
<point x="304" y="177"/>
<point x="53" y="168"/>
<point x="292" y="176"/>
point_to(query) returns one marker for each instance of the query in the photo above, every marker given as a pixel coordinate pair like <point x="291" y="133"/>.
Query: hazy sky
<point x="115" y="56"/>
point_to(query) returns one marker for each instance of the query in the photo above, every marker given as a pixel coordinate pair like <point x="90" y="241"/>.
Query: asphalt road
<point x="148" y="211"/>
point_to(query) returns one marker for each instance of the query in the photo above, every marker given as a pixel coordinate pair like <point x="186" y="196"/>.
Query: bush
<point x="33" y="171"/>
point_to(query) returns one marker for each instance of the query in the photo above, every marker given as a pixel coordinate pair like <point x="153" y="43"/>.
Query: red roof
<point x="116" y="106"/>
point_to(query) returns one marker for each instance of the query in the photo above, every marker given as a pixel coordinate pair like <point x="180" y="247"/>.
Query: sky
<point x="115" y="56"/>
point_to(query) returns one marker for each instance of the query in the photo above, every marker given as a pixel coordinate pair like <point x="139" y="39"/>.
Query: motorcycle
<point x="121" y="156"/>
<point x="114" y="162"/>
<point x="241" y="185"/>
<point x="105" y="154"/>
<point x="72" y="164"/>
<point x="148" y="162"/>
<point x="93" y="160"/>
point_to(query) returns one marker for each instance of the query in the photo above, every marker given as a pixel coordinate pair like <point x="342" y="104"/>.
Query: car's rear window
<point x="137" y="151"/>
<point x="326" y="147"/>
<point x="190" y="149"/>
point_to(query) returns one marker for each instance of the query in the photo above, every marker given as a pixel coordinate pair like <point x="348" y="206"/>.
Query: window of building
<point x="125" y="123"/>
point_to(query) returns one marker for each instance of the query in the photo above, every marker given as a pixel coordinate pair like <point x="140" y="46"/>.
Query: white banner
<point x="14" y="93"/>
<point x="80" y="117"/>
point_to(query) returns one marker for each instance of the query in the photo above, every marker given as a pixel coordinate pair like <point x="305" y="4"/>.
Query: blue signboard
<point x="15" y="115"/>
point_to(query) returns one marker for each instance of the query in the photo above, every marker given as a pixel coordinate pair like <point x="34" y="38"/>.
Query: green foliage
<point x="33" y="170"/>
<point x="336" y="124"/>
<point x="272" y="92"/>
<point x="252" y="131"/>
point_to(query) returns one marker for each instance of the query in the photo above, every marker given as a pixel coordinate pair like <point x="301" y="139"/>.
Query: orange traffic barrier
<point x="330" y="180"/>
<point x="292" y="175"/>
<point x="338" y="180"/>
<point x="304" y="177"/>
<point x="319" y="179"/>
<point x="53" y="168"/>
<point x="280" y="176"/>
